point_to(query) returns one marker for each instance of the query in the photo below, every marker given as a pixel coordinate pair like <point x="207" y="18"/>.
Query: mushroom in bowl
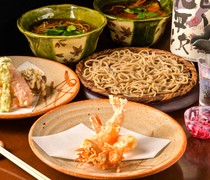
<point x="135" y="22"/>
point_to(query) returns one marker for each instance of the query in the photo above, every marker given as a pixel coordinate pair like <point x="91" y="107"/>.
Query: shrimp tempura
<point x="105" y="149"/>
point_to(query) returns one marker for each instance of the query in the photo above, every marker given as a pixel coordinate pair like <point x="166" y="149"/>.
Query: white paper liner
<point x="64" y="144"/>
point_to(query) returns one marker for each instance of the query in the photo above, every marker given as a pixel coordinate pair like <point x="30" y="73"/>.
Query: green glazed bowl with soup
<point x="63" y="47"/>
<point x="131" y="24"/>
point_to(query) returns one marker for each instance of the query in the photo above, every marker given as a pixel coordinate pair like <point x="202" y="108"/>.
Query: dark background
<point x="12" y="42"/>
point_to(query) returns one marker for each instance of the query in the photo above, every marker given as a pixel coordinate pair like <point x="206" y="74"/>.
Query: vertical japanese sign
<point x="190" y="33"/>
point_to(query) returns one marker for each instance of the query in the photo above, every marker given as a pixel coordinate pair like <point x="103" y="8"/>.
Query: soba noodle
<point x="136" y="74"/>
<point x="43" y="26"/>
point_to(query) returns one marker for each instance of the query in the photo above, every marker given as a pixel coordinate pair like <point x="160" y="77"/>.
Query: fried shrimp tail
<point x="96" y="123"/>
<point x="106" y="147"/>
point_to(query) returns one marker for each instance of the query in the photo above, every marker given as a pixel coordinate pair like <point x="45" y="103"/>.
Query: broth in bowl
<point x="61" y="27"/>
<point x="141" y="9"/>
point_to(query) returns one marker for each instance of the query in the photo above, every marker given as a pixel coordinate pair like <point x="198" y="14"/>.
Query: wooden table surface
<point x="194" y="164"/>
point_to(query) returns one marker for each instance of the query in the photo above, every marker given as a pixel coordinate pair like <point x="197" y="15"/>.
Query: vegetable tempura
<point x="17" y="88"/>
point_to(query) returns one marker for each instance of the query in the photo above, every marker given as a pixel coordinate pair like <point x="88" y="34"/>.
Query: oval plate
<point x="140" y="118"/>
<point x="62" y="86"/>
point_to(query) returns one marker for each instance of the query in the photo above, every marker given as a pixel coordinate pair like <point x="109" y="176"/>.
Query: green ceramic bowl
<point x="64" y="49"/>
<point x="133" y="32"/>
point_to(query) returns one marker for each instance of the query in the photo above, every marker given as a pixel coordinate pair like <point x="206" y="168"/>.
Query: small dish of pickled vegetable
<point x="197" y="121"/>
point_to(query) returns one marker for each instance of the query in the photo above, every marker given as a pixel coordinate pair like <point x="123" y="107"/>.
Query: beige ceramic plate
<point x="138" y="117"/>
<point x="62" y="85"/>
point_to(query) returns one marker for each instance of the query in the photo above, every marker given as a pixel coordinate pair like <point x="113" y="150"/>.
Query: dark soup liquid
<point x="141" y="9"/>
<point x="61" y="27"/>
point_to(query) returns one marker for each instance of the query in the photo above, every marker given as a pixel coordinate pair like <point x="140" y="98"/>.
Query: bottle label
<point x="190" y="32"/>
